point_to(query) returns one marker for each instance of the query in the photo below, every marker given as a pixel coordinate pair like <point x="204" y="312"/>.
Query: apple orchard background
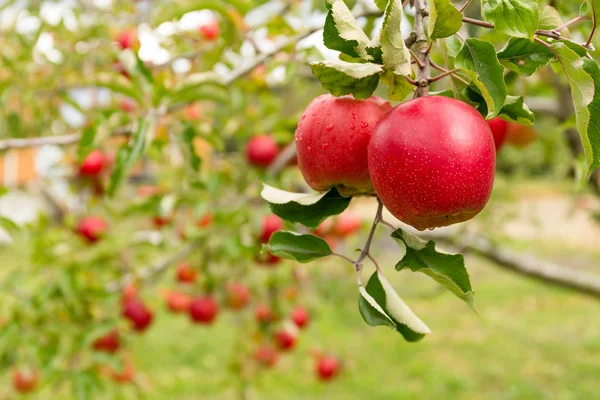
<point x="135" y="262"/>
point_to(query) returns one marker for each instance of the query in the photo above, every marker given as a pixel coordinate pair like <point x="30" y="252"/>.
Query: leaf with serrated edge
<point x="399" y="87"/>
<point x="444" y="19"/>
<point x="516" y="110"/>
<point x="299" y="247"/>
<point x="341" y="77"/>
<point x="479" y="62"/>
<point x="307" y="209"/>
<point x="348" y="28"/>
<point x="524" y="56"/>
<point x="395" y="53"/>
<point x="518" y="18"/>
<point x="445" y="268"/>
<point x="593" y="132"/>
<point x="393" y="312"/>
<point x="582" y="91"/>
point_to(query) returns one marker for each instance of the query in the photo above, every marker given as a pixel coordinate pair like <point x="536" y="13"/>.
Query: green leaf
<point x="189" y="133"/>
<point x="518" y="18"/>
<point x="591" y="138"/>
<point x="341" y="78"/>
<point x="83" y="385"/>
<point x="129" y="153"/>
<point x="86" y="143"/>
<point x="444" y="19"/>
<point x="394" y="51"/>
<point x="308" y="209"/>
<point x="550" y="19"/>
<point x="583" y="92"/>
<point x="3" y="190"/>
<point x="479" y="62"/>
<point x="447" y="269"/>
<point x="204" y="85"/>
<point x="8" y="225"/>
<point x="524" y="56"/>
<point x="342" y="32"/>
<point x="379" y="304"/>
<point x="381" y="4"/>
<point x="516" y="110"/>
<point x="295" y="246"/>
<point x="399" y="87"/>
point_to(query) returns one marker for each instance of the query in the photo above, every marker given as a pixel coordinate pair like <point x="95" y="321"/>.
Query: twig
<point x="595" y="19"/>
<point x="569" y="23"/>
<point x="443" y="75"/>
<point x="464" y="6"/>
<point x="155" y="270"/>
<point x="444" y="70"/>
<point x="416" y="58"/>
<point x="367" y="247"/>
<point x="282" y="160"/>
<point x="554" y="34"/>
<point x="422" y="44"/>
<point x="344" y="257"/>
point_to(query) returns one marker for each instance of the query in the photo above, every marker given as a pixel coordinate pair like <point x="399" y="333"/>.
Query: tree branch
<point x="554" y="34"/>
<point x="422" y="47"/>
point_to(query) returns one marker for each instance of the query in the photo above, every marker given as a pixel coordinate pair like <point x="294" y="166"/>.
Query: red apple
<point x="128" y="39"/>
<point x="205" y="220"/>
<point x="498" y="126"/>
<point x="346" y="224"/>
<point x="270" y="225"/>
<point x="178" y="302"/>
<point x="238" y="295"/>
<point x="185" y="273"/>
<point x="204" y="310"/>
<point x="332" y="139"/>
<point x="285" y="339"/>
<point x="92" y="228"/>
<point x="160" y="221"/>
<point x="138" y="314"/>
<point x="210" y="30"/>
<point x="520" y="135"/>
<point x="108" y="343"/>
<point x="432" y="162"/>
<point x="266" y="355"/>
<point x="127" y="106"/>
<point x="263" y="313"/>
<point x="300" y="317"/>
<point x="261" y="151"/>
<point x="25" y="380"/>
<point x="324" y="228"/>
<point x="93" y="164"/>
<point x="327" y="368"/>
<point x="124" y="376"/>
<point x="129" y="293"/>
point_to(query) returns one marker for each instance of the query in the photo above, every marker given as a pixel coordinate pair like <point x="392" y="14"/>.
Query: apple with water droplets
<point x="432" y="162"/>
<point x="332" y="139"/>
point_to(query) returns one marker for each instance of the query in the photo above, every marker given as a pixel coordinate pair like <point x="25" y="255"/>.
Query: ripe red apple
<point x="210" y="30"/>
<point x="25" y="380"/>
<point x="261" y="151"/>
<point x="92" y="228"/>
<point x="129" y="293"/>
<point x="238" y="295"/>
<point x="270" y="225"/>
<point x="124" y="376"/>
<point x="127" y="106"/>
<point x="160" y="221"/>
<point x="128" y="39"/>
<point x="185" y="273"/>
<point x="327" y="368"/>
<point x="266" y="355"/>
<point x="205" y="220"/>
<point x="204" y="310"/>
<point x="285" y="339"/>
<point x="520" y="135"/>
<point x="263" y="313"/>
<point x="324" y="228"/>
<point x="300" y="317"/>
<point x="108" y="343"/>
<point x="93" y="164"/>
<point x="346" y="224"/>
<point x="432" y="162"/>
<point x="178" y="302"/>
<point x="138" y="314"/>
<point x="332" y="139"/>
<point x="498" y="126"/>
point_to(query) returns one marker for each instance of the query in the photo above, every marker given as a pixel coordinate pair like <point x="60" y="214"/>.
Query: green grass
<point x="530" y="341"/>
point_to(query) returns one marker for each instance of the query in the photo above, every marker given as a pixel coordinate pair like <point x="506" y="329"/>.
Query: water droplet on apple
<point x="329" y="128"/>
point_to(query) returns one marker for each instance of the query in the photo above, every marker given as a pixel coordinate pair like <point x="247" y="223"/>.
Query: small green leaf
<point x="341" y="78"/>
<point x="516" y="110"/>
<point x="524" y="56"/>
<point x="444" y="19"/>
<point x="205" y="85"/>
<point x="308" y="209"/>
<point x="447" y="269"/>
<point x="550" y="19"/>
<point x="342" y="32"/>
<point x="86" y="143"/>
<point x="130" y="152"/>
<point x="399" y="87"/>
<point x="591" y="138"/>
<point x="518" y="18"/>
<point x="295" y="246"/>
<point x="583" y="92"/>
<point x="379" y="304"/>
<point x="394" y="51"/>
<point x="189" y="134"/>
<point x="479" y="62"/>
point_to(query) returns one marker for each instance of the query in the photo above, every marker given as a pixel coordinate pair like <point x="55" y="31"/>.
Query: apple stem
<point x="365" y="251"/>
<point x="422" y="47"/>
